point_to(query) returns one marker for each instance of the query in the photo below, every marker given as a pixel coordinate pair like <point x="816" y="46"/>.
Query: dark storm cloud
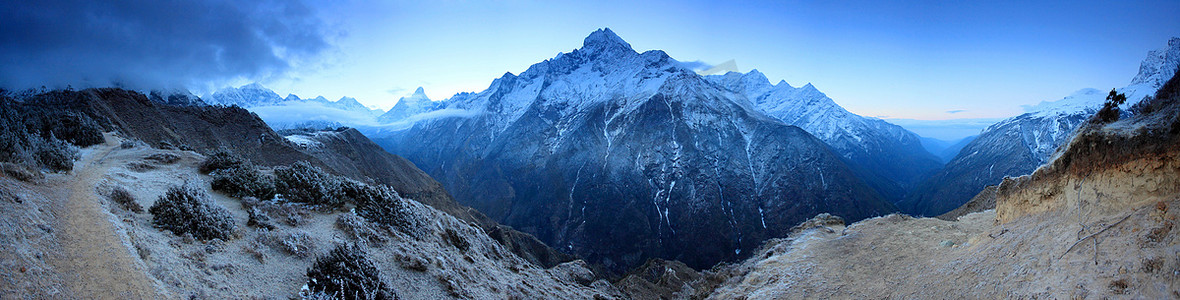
<point x="152" y="44"/>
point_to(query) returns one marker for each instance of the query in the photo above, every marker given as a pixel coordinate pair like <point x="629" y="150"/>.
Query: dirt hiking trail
<point x="95" y="262"/>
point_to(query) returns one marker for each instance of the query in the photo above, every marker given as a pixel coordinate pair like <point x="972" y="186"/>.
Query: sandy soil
<point x="898" y="257"/>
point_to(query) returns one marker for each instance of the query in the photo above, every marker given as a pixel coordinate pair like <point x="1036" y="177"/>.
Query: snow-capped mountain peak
<point x="246" y="96"/>
<point x="1160" y="65"/>
<point x="407" y="106"/>
<point x="604" y="39"/>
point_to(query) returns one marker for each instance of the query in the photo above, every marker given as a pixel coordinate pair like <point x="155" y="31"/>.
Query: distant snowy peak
<point x="804" y="106"/>
<point x="1160" y="65"/>
<point x="247" y="96"/>
<point x="177" y="97"/>
<point x="255" y="95"/>
<point x="1156" y="68"/>
<point x="407" y="106"/>
<point x="603" y="40"/>
<point x="1081" y="101"/>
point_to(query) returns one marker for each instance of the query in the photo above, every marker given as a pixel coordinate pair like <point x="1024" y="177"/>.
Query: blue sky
<point x="915" y="60"/>
<point x="924" y="60"/>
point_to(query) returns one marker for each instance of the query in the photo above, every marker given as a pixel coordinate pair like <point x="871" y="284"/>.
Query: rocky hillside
<point x="111" y="229"/>
<point x="1016" y="146"/>
<point x="208" y="129"/>
<point x="1097" y="221"/>
<point x="621" y="156"/>
<point x="350" y="153"/>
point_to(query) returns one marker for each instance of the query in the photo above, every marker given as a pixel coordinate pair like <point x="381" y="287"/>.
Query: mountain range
<point x="621" y="156"/>
<point x="605" y="142"/>
<point x="1017" y="145"/>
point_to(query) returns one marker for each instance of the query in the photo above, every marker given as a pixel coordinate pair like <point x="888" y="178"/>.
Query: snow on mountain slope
<point x="883" y="149"/>
<point x="246" y="96"/>
<point x="621" y="156"/>
<point x="177" y="97"/>
<point x="293" y="111"/>
<point x="408" y="106"/>
<point x="1018" y="145"/>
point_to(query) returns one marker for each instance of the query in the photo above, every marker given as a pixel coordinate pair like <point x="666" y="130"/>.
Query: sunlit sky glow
<point x="916" y="60"/>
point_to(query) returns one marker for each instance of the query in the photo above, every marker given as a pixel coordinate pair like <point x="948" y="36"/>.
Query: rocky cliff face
<point x="620" y="156"/>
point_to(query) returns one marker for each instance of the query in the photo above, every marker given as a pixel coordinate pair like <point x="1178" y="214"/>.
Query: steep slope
<point x="118" y="253"/>
<point x="1097" y="221"/>
<point x="953" y="150"/>
<point x="352" y="154"/>
<point x="1016" y="146"/>
<point x="887" y="151"/>
<point x="207" y="129"/>
<point x="620" y="156"/>
<point x="203" y="128"/>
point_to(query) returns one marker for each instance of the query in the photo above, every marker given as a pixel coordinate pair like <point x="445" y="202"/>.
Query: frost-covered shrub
<point x="162" y="158"/>
<point x="244" y="180"/>
<point x="56" y="155"/>
<point x="188" y="210"/>
<point x="292" y="214"/>
<point x="452" y="237"/>
<point x="304" y="183"/>
<point x="259" y="219"/>
<point x="125" y="199"/>
<point x="345" y="273"/>
<point x="220" y="160"/>
<point x="20" y="172"/>
<point x="296" y="243"/>
<point x="382" y="205"/>
<point x="357" y="228"/>
<point x="77" y="129"/>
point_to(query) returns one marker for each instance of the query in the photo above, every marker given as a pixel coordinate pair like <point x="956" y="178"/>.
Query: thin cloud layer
<point x="153" y="44"/>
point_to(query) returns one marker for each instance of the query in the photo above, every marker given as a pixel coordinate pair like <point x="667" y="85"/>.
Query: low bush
<point x="259" y="219"/>
<point x="188" y="210"/>
<point x="452" y="237"/>
<point x="38" y="136"/>
<point x="162" y="158"/>
<point x="20" y="172"/>
<point x="77" y="129"/>
<point x="345" y="273"/>
<point x="357" y="228"/>
<point x="304" y="183"/>
<point x="125" y="199"/>
<point x="382" y="205"/>
<point x="1110" y="109"/>
<point x="292" y="214"/>
<point x="55" y="154"/>
<point x="244" y="180"/>
<point x="296" y="243"/>
<point x="140" y="167"/>
<point x="219" y="160"/>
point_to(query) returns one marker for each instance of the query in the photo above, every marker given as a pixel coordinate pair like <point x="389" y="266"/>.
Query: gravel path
<point x="96" y="262"/>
